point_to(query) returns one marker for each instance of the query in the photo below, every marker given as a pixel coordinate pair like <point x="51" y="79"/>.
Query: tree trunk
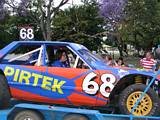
<point x="48" y="21"/>
<point x="120" y="50"/>
<point x="150" y="45"/>
<point x="48" y="28"/>
<point x="136" y="44"/>
<point x="42" y="26"/>
<point x="119" y="44"/>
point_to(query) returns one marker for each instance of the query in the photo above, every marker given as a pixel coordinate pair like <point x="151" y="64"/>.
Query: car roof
<point x="14" y="44"/>
<point x="42" y="42"/>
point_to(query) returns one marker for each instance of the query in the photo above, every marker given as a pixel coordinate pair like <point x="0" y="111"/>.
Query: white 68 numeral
<point x="92" y="87"/>
<point x="26" y="33"/>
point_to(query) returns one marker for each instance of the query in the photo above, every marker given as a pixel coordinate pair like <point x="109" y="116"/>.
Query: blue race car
<point x="29" y="71"/>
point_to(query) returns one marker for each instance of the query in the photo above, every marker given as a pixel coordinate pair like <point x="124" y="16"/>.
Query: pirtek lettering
<point x="48" y="83"/>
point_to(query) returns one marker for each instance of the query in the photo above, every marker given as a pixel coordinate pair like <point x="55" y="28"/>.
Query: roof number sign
<point x="26" y="33"/>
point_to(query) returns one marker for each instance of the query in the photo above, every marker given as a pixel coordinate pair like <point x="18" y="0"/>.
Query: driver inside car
<point x="60" y="59"/>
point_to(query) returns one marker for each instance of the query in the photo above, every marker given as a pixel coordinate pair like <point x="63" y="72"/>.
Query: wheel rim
<point x="27" y="118"/>
<point x="144" y="106"/>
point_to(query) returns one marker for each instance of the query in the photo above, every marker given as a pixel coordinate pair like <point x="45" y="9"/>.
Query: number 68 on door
<point x="91" y="87"/>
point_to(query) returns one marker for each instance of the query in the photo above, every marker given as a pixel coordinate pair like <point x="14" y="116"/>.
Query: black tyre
<point x="4" y="93"/>
<point x="28" y="115"/>
<point x="148" y="106"/>
<point x="75" y="117"/>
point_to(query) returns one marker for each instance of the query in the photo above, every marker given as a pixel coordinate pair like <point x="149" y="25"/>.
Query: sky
<point x="70" y="2"/>
<point x="75" y="2"/>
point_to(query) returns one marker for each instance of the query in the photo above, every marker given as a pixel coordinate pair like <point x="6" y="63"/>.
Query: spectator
<point x="103" y="56"/>
<point x="120" y="62"/>
<point x="148" y="62"/>
<point x="107" y="59"/>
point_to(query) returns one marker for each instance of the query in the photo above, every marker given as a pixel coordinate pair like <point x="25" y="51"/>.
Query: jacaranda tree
<point x="112" y="10"/>
<point x="113" y="13"/>
<point x="2" y="9"/>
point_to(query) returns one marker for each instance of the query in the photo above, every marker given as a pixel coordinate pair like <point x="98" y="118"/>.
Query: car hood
<point x="124" y="71"/>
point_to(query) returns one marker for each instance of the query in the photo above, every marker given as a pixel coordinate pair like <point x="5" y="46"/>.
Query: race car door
<point x="67" y="86"/>
<point x="23" y="73"/>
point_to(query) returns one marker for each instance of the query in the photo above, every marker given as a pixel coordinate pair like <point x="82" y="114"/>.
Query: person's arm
<point x="56" y="64"/>
<point x="141" y="62"/>
<point x="115" y="63"/>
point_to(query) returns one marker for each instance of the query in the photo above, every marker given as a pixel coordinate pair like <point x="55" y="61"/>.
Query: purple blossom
<point x="112" y="10"/>
<point x="2" y="2"/>
<point x="2" y="9"/>
<point x="21" y="8"/>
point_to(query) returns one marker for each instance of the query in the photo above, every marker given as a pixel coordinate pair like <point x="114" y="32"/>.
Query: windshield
<point x="92" y="59"/>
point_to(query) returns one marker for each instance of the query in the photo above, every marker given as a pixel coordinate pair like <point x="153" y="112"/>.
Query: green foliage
<point x="82" y="24"/>
<point x="142" y="24"/>
<point x="7" y="31"/>
<point x="10" y="27"/>
<point x="79" y="24"/>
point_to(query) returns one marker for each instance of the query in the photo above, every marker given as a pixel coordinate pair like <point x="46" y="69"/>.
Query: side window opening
<point x="52" y="54"/>
<point x="24" y="55"/>
<point x="82" y="65"/>
<point x="71" y="59"/>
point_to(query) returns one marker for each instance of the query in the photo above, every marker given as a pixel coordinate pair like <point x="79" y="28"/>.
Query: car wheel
<point x="75" y="117"/>
<point x="148" y="106"/>
<point x="28" y="115"/>
<point x="4" y="93"/>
